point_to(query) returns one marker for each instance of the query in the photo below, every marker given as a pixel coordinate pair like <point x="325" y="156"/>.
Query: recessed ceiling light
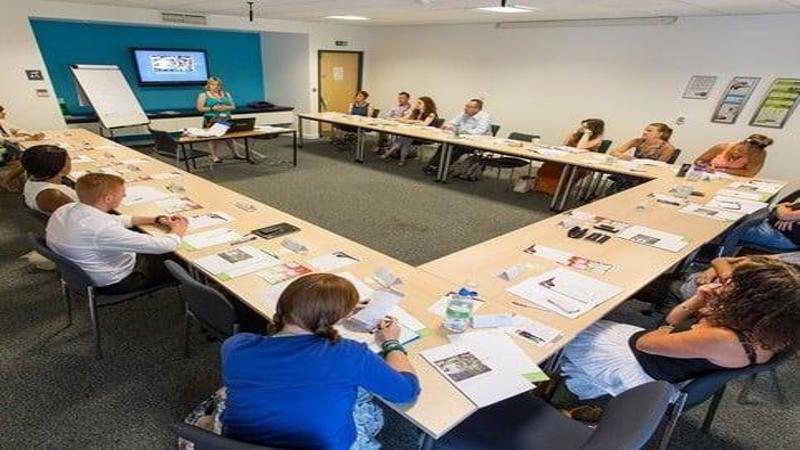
<point x="505" y="8"/>
<point x="348" y="17"/>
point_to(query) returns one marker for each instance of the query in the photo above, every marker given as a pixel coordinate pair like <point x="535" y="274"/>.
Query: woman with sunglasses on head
<point x="745" y="321"/>
<point x="216" y="104"/>
<point x="744" y="158"/>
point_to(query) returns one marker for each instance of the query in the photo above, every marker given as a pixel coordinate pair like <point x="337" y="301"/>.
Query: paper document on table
<point x="533" y="331"/>
<point x="568" y="259"/>
<point x="281" y="272"/>
<point x="747" y="195"/>
<point x="711" y="213"/>
<point x="271" y="129"/>
<point x="364" y="291"/>
<point x="209" y="238"/>
<point x="80" y="159"/>
<point x="565" y="292"/>
<point x="654" y="238"/>
<point x="381" y="302"/>
<point x="173" y="205"/>
<point x="165" y="175"/>
<point x="236" y="262"/>
<point x="216" y="130"/>
<point x="407" y="320"/>
<point x="332" y="261"/>
<point x="650" y="162"/>
<point x="209" y="220"/>
<point x="735" y="204"/>
<point x="762" y="186"/>
<point x="510" y="357"/>
<point x="478" y="371"/>
<point x="135" y="195"/>
<point x="350" y="330"/>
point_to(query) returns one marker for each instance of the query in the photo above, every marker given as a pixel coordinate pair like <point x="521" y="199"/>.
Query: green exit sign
<point x="341" y="43"/>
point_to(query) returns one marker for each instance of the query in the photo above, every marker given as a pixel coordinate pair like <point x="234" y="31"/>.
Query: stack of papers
<point x="487" y="367"/>
<point x="216" y="130"/>
<point x="236" y="262"/>
<point x="173" y="205"/>
<point x="143" y="194"/>
<point x="209" y="238"/>
<point x="271" y="129"/>
<point x="736" y="204"/>
<point x="568" y="259"/>
<point x="565" y="292"/>
<point x="654" y="238"/>
<point x="768" y="188"/>
<point x="711" y="213"/>
<point x="209" y="220"/>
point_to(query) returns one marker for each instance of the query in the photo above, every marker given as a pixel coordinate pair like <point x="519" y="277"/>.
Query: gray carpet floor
<point x="56" y="395"/>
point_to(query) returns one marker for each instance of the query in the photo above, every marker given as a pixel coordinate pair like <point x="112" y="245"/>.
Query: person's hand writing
<point x="388" y="330"/>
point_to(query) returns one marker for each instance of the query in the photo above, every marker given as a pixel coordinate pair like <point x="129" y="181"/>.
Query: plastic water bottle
<point x="459" y="311"/>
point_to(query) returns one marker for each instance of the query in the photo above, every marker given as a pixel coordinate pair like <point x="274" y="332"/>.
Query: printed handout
<point x="209" y="220"/>
<point x="174" y="205"/>
<point x="568" y="259"/>
<point x="711" y="213"/>
<point x="735" y="204"/>
<point x="282" y="272"/>
<point x="564" y="292"/>
<point x="332" y="261"/>
<point x="142" y="194"/>
<point x="380" y="303"/>
<point x="236" y="262"/>
<point x="210" y="238"/>
<point x="654" y="238"/>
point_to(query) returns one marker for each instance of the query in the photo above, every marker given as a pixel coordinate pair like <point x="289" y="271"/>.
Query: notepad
<point x="209" y="238"/>
<point x="654" y="238"/>
<point x="236" y="262"/>
<point x="136" y="195"/>
<point x="209" y="220"/>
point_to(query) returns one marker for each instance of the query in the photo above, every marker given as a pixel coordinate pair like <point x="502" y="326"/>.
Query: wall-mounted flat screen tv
<point x="167" y="67"/>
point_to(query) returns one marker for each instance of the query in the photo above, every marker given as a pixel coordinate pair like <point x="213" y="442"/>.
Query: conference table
<point x="190" y="141"/>
<point x="573" y="159"/>
<point x="440" y="406"/>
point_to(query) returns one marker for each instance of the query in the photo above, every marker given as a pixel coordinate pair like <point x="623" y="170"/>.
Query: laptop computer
<point x="247" y="124"/>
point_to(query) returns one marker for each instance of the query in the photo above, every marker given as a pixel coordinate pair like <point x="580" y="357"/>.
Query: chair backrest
<point x="208" y="306"/>
<point x="375" y="112"/>
<point x="604" y="146"/>
<point x="38" y="215"/>
<point x="704" y="387"/>
<point x="675" y="155"/>
<point x="438" y="122"/>
<point x="206" y="440"/>
<point x="164" y="142"/>
<point x="631" y="418"/>
<point x="495" y="129"/>
<point x="77" y="280"/>
<point x="523" y="137"/>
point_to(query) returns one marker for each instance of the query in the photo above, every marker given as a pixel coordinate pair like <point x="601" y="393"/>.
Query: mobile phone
<point x="273" y="231"/>
<point x="684" y="168"/>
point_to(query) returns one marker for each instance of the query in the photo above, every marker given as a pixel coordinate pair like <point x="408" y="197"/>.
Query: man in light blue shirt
<point x="474" y="120"/>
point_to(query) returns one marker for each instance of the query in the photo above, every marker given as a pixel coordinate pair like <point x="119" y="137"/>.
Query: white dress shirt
<point x="480" y="123"/>
<point x="101" y="243"/>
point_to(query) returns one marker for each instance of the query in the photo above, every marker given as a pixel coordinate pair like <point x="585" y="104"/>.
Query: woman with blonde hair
<point x="305" y="386"/>
<point x="744" y="158"/>
<point x="216" y="105"/>
<point x="653" y="144"/>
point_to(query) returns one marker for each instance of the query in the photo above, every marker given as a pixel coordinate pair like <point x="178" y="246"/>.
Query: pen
<point x="244" y="239"/>
<point x="550" y="301"/>
<point x="524" y="305"/>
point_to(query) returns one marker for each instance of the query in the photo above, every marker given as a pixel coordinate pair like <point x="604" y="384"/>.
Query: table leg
<point x="299" y="131"/>
<point x="247" y="155"/>
<point x="360" y="145"/>
<point x="559" y="188"/>
<point x="294" y="148"/>
<point x="444" y="163"/>
<point x="426" y="441"/>
<point x="568" y="189"/>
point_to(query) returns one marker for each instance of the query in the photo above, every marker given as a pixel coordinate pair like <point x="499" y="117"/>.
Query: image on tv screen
<point x="171" y="66"/>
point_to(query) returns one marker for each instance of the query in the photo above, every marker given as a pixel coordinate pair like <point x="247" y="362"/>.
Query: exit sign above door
<point x="341" y="43"/>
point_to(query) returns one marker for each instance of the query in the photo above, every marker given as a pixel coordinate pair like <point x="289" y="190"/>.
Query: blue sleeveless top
<point x="213" y="101"/>
<point x="359" y="110"/>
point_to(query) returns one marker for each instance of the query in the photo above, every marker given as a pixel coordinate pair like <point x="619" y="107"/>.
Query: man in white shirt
<point x="117" y="259"/>
<point x="473" y="121"/>
<point x="401" y="111"/>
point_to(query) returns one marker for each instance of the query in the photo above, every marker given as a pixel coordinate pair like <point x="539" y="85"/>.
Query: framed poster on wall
<point x="778" y="104"/>
<point x="734" y="98"/>
<point x="699" y="87"/>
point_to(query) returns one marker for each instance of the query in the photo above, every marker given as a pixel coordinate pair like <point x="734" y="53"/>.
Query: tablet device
<point x="273" y="231"/>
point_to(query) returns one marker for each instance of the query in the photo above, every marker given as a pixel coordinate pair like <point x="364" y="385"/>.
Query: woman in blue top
<point x="359" y="107"/>
<point x="304" y="386"/>
<point x="216" y="105"/>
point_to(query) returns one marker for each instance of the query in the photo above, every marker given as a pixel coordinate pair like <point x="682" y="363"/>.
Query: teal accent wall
<point x="233" y="56"/>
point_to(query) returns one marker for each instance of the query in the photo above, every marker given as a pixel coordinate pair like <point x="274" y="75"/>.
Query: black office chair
<point x="509" y="162"/>
<point x="527" y="422"/>
<point x="712" y="386"/>
<point x="605" y="144"/>
<point x="674" y="157"/>
<point x="592" y="185"/>
<point x="75" y="281"/>
<point x="166" y="144"/>
<point x="204" y="305"/>
<point x="206" y="440"/>
<point x="495" y="129"/>
<point x="38" y="215"/>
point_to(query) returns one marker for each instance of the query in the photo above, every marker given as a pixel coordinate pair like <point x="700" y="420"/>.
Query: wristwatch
<point x="162" y="220"/>
<point x="392" y="345"/>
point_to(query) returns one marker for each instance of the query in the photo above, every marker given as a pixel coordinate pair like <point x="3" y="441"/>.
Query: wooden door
<point x="339" y="80"/>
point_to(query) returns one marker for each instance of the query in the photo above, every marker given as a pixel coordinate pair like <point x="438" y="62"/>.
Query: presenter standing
<point x="216" y="105"/>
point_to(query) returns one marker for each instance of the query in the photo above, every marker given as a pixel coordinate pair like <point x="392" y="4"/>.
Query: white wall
<point x="19" y="50"/>
<point x="286" y="69"/>
<point x="547" y="80"/>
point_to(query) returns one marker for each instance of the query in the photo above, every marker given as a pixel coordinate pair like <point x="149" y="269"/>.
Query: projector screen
<point x="170" y="67"/>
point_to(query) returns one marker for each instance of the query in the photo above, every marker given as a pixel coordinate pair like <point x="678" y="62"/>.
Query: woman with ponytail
<point x="305" y="386"/>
